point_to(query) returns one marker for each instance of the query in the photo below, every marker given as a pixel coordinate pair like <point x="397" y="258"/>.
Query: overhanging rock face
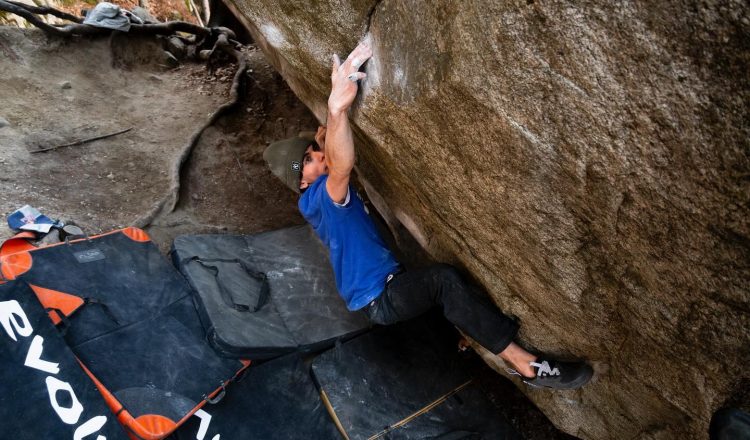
<point x="587" y="164"/>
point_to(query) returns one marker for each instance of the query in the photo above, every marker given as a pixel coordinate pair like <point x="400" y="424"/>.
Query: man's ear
<point x="303" y="185"/>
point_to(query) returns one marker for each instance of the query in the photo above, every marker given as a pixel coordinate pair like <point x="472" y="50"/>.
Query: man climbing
<point x="367" y="275"/>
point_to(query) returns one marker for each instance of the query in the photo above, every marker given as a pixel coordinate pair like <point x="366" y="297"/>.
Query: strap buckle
<point x="218" y="397"/>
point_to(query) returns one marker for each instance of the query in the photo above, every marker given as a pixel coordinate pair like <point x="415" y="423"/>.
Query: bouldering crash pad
<point x="265" y="294"/>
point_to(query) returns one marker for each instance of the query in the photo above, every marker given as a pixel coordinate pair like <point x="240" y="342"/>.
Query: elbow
<point x="339" y="165"/>
<point x="340" y="170"/>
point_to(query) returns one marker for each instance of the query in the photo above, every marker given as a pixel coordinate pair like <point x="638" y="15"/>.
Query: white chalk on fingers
<point x="356" y="76"/>
<point x="356" y="62"/>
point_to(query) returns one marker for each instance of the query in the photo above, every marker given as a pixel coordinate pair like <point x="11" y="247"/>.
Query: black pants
<point x="412" y="293"/>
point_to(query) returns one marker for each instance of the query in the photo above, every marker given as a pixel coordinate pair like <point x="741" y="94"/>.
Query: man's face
<point x="313" y="166"/>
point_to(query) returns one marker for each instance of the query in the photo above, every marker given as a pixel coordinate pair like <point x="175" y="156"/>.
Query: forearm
<point x="339" y="140"/>
<point x="339" y="143"/>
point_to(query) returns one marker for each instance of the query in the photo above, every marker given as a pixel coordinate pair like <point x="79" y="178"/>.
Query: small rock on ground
<point x="170" y="60"/>
<point x="177" y="47"/>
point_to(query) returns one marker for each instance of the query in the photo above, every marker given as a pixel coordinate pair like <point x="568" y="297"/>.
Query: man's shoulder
<point x="318" y="186"/>
<point x="308" y="196"/>
<point x="310" y="202"/>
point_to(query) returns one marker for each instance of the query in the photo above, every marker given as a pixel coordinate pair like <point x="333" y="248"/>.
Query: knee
<point x="447" y="273"/>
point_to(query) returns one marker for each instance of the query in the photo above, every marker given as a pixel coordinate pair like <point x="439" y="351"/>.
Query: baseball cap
<point x="283" y="158"/>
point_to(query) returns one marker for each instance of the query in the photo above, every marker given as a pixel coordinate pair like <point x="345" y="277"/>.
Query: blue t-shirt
<point x="361" y="260"/>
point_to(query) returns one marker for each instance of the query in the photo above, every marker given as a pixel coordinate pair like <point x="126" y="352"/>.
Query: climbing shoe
<point x="558" y="375"/>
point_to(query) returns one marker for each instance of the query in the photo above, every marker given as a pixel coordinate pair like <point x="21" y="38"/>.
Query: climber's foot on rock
<point x="558" y="375"/>
<point x="463" y="344"/>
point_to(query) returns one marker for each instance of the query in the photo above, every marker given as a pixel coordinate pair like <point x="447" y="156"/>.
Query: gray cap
<point x="283" y="158"/>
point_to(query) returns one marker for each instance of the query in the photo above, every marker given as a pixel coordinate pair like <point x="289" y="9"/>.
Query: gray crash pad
<point x="266" y="294"/>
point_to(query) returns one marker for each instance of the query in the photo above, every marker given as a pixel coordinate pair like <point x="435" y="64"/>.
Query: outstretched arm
<point x="339" y="142"/>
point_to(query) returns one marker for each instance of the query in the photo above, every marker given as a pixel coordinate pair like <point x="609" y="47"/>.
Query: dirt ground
<point x="56" y="91"/>
<point x="59" y="91"/>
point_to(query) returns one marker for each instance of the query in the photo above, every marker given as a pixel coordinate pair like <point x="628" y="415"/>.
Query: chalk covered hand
<point x="344" y="77"/>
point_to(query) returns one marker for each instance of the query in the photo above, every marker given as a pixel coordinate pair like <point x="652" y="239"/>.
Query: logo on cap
<point x="295" y="166"/>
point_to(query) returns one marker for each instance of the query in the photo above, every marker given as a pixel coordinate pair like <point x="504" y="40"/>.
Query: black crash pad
<point x="123" y="271"/>
<point x="407" y="381"/>
<point x="276" y="400"/>
<point x="141" y="335"/>
<point x="36" y="369"/>
<point x="161" y="365"/>
<point x="300" y="309"/>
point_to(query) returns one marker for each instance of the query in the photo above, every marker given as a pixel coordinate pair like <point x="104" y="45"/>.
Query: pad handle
<point x="229" y="299"/>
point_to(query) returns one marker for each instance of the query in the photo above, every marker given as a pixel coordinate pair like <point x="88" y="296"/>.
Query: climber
<point x="367" y="275"/>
